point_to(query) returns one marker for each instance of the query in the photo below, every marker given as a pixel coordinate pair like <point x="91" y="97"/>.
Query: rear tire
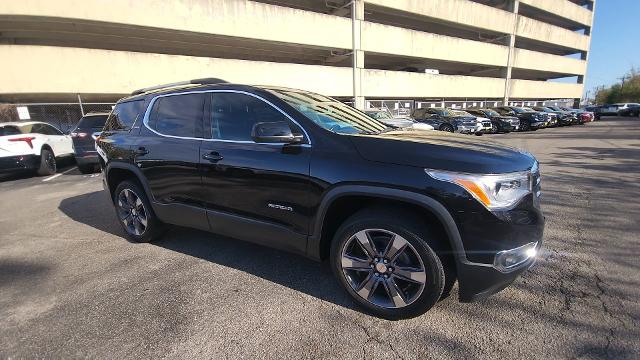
<point x="375" y="284"/>
<point x="48" y="165"/>
<point x="135" y="213"/>
<point x="525" y="126"/>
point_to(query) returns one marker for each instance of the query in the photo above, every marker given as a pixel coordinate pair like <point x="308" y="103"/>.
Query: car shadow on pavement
<point x="290" y="270"/>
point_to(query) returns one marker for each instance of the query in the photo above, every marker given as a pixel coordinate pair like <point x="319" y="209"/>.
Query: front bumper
<point x="482" y="280"/>
<point x="19" y="163"/>
<point x="538" y="124"/>
<point x="466" y="129"/>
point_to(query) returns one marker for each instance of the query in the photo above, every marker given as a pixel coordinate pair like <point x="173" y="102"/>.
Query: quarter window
<point x="178" y="115"/>
<point x="233" y="115"/>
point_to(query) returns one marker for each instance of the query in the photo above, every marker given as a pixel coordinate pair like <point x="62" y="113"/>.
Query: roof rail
<point x="203" y="81"/>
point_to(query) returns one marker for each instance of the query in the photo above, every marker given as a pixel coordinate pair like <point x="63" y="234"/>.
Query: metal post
<point x="80" y="102"/>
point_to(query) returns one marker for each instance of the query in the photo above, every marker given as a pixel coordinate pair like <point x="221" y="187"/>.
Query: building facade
<point x="415" y="51"/>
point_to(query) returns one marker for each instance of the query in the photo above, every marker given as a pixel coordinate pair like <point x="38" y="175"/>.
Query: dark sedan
<point x="499" y="123"/>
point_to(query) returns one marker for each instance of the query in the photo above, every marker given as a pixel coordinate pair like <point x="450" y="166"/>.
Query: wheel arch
<point x="115" y="173"/>
<point x="323" y="226"/>
<point x="46" y="146"/>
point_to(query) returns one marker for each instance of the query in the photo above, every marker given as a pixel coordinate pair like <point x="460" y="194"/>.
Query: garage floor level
<point x="71" y="286"/>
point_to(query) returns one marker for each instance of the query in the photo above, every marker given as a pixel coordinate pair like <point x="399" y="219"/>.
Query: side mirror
<point x="274" y="132"/>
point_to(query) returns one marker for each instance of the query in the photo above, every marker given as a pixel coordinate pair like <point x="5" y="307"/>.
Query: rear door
<point x="167" y="151"/>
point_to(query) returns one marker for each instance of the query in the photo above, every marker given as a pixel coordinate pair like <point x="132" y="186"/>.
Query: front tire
<point x="135" y="213"/>
<point x="447" y="128"/>
<point x="48" y="165"/>
<point x="387" y="265"/>
<point x="525" y="126"/>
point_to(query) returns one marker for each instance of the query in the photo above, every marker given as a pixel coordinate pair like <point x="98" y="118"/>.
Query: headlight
<point x="495" y="192"/>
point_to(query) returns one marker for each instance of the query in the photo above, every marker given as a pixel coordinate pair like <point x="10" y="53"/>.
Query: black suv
<point x="446" y="120"/>
<point x="84" y="136"/>
<point x="400" y="214"/>
<point x="529" y="119"/>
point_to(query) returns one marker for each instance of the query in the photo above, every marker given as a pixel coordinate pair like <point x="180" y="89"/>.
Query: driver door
<point x="255" y="191"/>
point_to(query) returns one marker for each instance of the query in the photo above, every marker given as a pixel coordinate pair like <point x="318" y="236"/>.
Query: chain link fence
<point x="63" y="116"/>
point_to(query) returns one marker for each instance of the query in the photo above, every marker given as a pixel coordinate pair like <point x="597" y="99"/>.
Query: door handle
<point x="212" y="156"/>
<point x="142" y="151"/>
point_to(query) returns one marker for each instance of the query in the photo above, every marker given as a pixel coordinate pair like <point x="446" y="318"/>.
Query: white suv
<point x="32" y="146"/>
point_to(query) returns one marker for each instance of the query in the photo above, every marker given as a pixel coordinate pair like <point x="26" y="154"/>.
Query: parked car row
<point x="619" y="109"/>
<point x="38" y="147"/>
<point x="479" y="121"/>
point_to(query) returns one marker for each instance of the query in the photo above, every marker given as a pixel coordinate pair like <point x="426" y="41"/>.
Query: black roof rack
<point x="203" y="81"/>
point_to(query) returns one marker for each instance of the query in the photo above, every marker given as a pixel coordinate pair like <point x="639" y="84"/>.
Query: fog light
<point x="508" y="260"/>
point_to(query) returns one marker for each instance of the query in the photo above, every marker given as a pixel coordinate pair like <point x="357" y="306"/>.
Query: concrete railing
<point x="399" y="84"/>
<point x="527" y="89"/>
<point x="551" y="34"/>
<point x="563" y="8"/>
<point x="236" y="18"/>
<point x="533" y="60"/>
<point x="462" y="12"/>
<point x="387" y="39"/>
<point x="73" y="70"/>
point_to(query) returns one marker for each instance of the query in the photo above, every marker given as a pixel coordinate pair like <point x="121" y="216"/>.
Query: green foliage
<point x="627" y="91"/>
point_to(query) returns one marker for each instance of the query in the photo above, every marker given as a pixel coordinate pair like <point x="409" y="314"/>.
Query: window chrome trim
<point x="147" y="113"/>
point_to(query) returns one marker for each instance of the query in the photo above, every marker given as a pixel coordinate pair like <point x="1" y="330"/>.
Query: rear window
<point x="124" y="115"/>
<point x="92" y="122"/>
<point x="9" y="130"/>
<point x="178" y="115"/>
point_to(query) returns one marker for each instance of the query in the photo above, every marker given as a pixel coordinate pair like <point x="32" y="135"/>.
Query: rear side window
<point x="43" y="129"/>
<point x="233" y="115"/>
<point x="9" y="130"/>
<point x="124" y="115"/>
<point x="92" y="122"/>
<point x="178" y="115"/>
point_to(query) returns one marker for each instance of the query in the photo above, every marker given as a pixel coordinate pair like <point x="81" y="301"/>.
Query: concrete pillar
<point x="357" y="17"/>
<point x="514" y="6"/>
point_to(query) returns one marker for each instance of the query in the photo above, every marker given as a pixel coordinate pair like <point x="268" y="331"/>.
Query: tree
<point x="627" y="90"/>
<point x="8" y="113"/>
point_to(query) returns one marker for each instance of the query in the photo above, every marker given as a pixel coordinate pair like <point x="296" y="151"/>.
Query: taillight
<point x="78" y="134"/>
<point x="26" y="139"/>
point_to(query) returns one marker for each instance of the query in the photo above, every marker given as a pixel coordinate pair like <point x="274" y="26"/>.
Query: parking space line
<point x="60" y="174"/>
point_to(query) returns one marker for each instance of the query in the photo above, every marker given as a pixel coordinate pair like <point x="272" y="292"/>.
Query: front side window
<point x="233" y="115"/>
<point x="328" y="113"/>
<point x="178" y="115"/>
<point x="124" y="115"/>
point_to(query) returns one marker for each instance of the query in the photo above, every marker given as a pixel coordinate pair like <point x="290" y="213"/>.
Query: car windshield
<point x="491" y="113"/>
<point x="380" y="115"/>
<point x="459" y="113"/>
<point x="92" y="122"/>
<point x="9" y="130"/>
<point x="329" y="113"/>
<point x="521" y="110"/>
<point x="527" y="109"/>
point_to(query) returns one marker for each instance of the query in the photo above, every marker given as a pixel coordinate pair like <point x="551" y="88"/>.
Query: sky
<point x="615" y="42"/>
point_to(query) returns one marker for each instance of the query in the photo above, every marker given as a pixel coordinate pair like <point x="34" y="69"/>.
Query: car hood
<point x="442" y="151"/>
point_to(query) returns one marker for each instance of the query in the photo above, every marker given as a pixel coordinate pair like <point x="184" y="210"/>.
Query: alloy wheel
<point x="383" y="268"/>
<point x="131" y="212"/>
<point x="50" y="161"/>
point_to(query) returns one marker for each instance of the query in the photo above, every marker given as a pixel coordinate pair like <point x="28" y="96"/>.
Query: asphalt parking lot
<point x="72" y="286"/>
